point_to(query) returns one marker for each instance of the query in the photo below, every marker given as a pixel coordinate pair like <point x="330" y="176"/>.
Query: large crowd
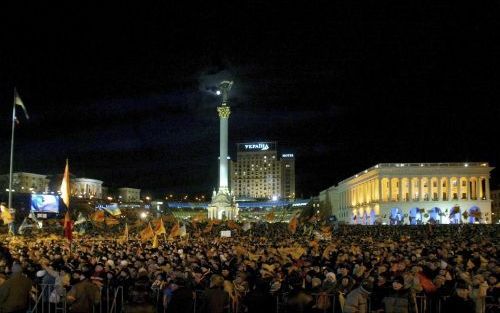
<point x="267" y="268"/>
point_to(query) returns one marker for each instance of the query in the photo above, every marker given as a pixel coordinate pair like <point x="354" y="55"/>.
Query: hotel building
<point x="258" y="173"/>
<point x="413" y="193"/>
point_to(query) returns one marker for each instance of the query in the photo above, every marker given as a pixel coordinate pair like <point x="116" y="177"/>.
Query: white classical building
<point x="86" y="188"/>
<point x="126" y="194"/>
<point x="25" y="182"/>
<point x="413" y="193"/>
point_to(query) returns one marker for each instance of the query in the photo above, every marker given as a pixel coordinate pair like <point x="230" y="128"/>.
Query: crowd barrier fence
<point x="49" y="298"/>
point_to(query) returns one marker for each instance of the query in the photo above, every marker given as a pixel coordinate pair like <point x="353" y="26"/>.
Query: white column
<point x="421" y="185"/>
<point x="410" y="188"/>
<point x="440" y="189"/>
<point x="379" y="187"/>
<point x="390" y="190"/>
<point x="467" y="190"/>
<point x="479" y="188"/>
<point x="224" y="112"/>
<point x="400" y="191"/>
<point x="449" y="189"/>
<point x="431" y="189"/>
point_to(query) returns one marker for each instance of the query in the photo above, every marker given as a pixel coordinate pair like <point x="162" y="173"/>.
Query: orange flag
<point x="292" y="226"/>
<point x="98" y="216"/>
<point x="159" y="227"/>
<point x="208" y="228"/>
<point x="175" y="231"/>
<point x="65" y="186"/>
<point x="147" y="233"/>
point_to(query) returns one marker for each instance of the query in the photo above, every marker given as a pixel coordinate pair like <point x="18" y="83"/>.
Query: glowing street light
<point x="144" y="215"/>
<point x="218" y="92"/>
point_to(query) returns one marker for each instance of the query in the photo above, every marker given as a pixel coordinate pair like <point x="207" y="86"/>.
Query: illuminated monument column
<point x="223" y="205"/>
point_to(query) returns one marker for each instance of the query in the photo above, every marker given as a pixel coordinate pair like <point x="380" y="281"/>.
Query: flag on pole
<point x="80" y="219"/>
<point x="19" y="102"/>
<point x="113" y="209"/>
<point x="174" y="232"/>
<point x="147" y="233"/>
<point x="23" y="226"/>
<point x="6" y="216"/>
<point x="98" y="217"/>
<point x="65" y="189"/>
<point x="68" y="227"/>
<point x="292" y="226"/>
<point x="159" y="227"/>
<point x="155" y="242"/>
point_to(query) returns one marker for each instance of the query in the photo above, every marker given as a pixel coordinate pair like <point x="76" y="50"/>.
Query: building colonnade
<point x="417" y="188"/>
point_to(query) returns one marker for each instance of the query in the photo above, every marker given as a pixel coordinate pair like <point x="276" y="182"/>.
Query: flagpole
<point x="12" y="149"/>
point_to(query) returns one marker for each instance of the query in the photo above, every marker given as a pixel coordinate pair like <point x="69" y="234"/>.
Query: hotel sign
<point x="257" y="146"/>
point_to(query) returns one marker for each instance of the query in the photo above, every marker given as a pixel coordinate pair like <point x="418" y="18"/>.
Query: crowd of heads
<point x="268" y="259"/>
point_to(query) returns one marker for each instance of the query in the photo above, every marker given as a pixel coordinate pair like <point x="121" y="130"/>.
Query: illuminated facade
<point x="129" y="194"/>
<point x="495" y="205"/>
<point x="259" y="173"/>
<point x="413" y="193"/>
<point x="26" y="182"/>
<point x="86" y="188"/>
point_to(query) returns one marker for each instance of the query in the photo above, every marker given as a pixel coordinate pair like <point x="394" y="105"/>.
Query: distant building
<point x="413" y="193"/>
<point x="495" y="205"/>
<point x="258" y="173"/>
<point x="25" y="182"/>
<point x="86" y="188"/>
<point x="129" y="194"/>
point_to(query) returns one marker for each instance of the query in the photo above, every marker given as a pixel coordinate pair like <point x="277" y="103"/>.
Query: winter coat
<point x="216" y="300"/>
<point x="401" y="301"/>
<point x="14" y="293"/>
<point x="83" y="296"/>
<point x="357" y="301"/>
<point x="457" y="304"/>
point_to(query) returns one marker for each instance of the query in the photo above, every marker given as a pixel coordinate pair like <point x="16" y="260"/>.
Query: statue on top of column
<point x="224" y="88"/>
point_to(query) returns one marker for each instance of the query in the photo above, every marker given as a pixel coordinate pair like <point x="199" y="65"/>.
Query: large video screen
<point x="45" y="203"/>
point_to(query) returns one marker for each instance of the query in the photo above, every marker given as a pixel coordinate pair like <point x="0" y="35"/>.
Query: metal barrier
<point x="48" y="298"/>
<point x="424" y="303"/>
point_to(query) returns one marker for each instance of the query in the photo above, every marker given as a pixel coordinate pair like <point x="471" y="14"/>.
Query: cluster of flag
<point x="152" y="232"/>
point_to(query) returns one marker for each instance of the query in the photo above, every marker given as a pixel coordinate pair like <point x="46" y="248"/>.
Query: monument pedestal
<point x="223" y="206"/>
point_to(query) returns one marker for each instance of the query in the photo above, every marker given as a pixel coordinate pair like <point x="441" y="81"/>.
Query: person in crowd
<point x="15" y="291"/>
<point x="357" y="300"/>
<point x="284" y="266"/>
<point x="216" y="299"/>
<point x="84" y="295"/>
<point x="182" y="299"/>
<point x="460" y="302"/>
<point x="399" y="299"/>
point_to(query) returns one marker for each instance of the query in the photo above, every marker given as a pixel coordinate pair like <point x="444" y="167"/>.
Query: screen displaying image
<point x="45" y="203"/>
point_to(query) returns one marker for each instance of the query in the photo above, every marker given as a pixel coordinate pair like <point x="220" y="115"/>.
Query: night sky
<point x="126" y="93"/>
